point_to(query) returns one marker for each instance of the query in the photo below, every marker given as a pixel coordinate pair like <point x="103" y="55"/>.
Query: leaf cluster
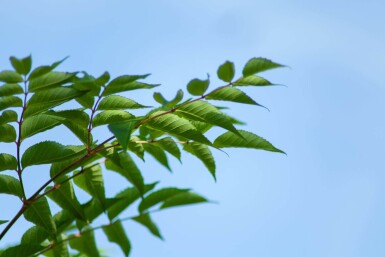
<point x="34" y="101"/>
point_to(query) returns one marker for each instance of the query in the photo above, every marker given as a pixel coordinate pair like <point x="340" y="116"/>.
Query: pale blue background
<point x="324" y="199"/>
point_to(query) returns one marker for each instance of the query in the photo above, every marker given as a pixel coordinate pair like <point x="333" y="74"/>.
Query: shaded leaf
<point x="10" y="89"/>
<point x="9" y="76"/>
<point x="85" y="243"/>
<point x="91" y="181"/>
<point x="158" y="197"/>
<point x="65" y="197"/>
<point x="252" y="80"/>
<point x="226" y="71"/>
<point x="48" y="152"/>
<point x="35" y="234"/>
<point x="39" y="213"/>
<point x="169" y="145"/>
<point x="248" y="140"/>
<point x="116" y="233"/>
<point x="62" y="220"/>
<point x="7" y="162"/>
<point x="184" y="198"/>
<point x="10" y="185"/>
<point x="3" y="221"/>
<point x="158" y="153"/>
<point x="75" y="116"/>
<point x="136" y="147"/>
<point x="172" y="124"/>
<point x="21" y="66"/>
<point x="203" y="153"/>
<point x="122" y="131"/>
<point x="10" y="101"/>
<point x="198" y="87"/>
<point x="37" y="124"/>
<point x="146" y="221"/>
<point x="7" y="133"/>
<point x="256" y="65"/>
<point x="116" y="102"/>
<point x="49" y="80"/>
<point x="131" y="171"/>
<point x="8" y="116"/>
<point x="108" y="117"/>
<point x="21" y="250"/>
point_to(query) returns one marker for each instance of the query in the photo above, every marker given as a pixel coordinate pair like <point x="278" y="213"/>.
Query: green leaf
<point x="185" y="198"/>
<point x="108" y="117"/>
<point x="37" y="124"/>
<point x="49" y="80"/>
<point x="158" y="153"/>
<point x="116" y="102"/>
<point x="10" y="101"/>
<point x="39" y="71"/>
<point x="116" y="233"/>
<point x="226" y="71"/>
<point x="7" y="133"/>
<point x="169" y="146"/>
<point x="3" y="221"/>
<point x="256" y="65"/>
<point x="126" y="83"/>
<point x="85" y="244"/>
<point x="146" y="221"/>
<point x="10" y="185"/>
<point x="231" y="94"/>
<point x="198" y="87"/>
<point x="61" y="249"/>
<point x="159" y="98"/>
<point x="91" y="181"/>
<point x="21" y="250"/>
<point x="131" y="171"/>
<point x="65" y="197"/>
<point x="9" y="76"/>
<point x="63" y="219"/>
<point x="48" y="152"/>
<point x="10" y="89"/>
<point x="203" y="153"/>
<point x="7" y="162"/>
<point x="205" y="112"/>
<point x="122" y="131"/>
<point x="87" y="100"/>
<point x="8" y="116"/>
<point x="39" y="213"/>
<point x="252" y="80"/>
<point x="34" y="234"/>
<point x="44" y="100"/>
<point x="126" y="198"/>
<point x="158" y="197"/>
<point x="171" y="123"/>
<point x="248" y="140"/>
<point x="21" y="66"/>
<point x="75" y="116"/>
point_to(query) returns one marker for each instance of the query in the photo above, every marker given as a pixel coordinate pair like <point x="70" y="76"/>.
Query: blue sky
<point x="325" y="198"/>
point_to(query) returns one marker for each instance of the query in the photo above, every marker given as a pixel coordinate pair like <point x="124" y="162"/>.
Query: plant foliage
<point x="34" y="101"/>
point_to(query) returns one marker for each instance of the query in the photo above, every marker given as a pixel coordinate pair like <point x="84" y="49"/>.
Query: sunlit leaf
<point x="109" y="117"/>
<point x="10" y="89"/>
<point x="41" y="70"/>
<point x="9" y="76"/>
<point x="8" y="116"/>
<point x="116" y="102"/>
<point x="48" y="152"/>
<point x="7" y="133"/>
<point x="7" y="162"/>
<point x="37" y="124"/>
<point x="252" y="80"/>
<point x="35" y="234"/>
<point x="226" y="71"/>
<point x="171" y="123"/>
<point x="248" y="140"/>
<point x="198" y="87"/>
<point x="21" y="66"/>
<point x="203" y="153"/>
<point x="184" y="198"/>
<point x="256" y="65"/>
<point x="158" y="153"/>
<point x="231" y="94"/>
<point x="10" y="101"/>
<point x="126" y="83"/>
<point x="49" y="80"/>
<point x="169" y="146"/>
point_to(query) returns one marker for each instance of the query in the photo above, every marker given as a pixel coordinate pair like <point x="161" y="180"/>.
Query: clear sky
<point x="325" y="198"/>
